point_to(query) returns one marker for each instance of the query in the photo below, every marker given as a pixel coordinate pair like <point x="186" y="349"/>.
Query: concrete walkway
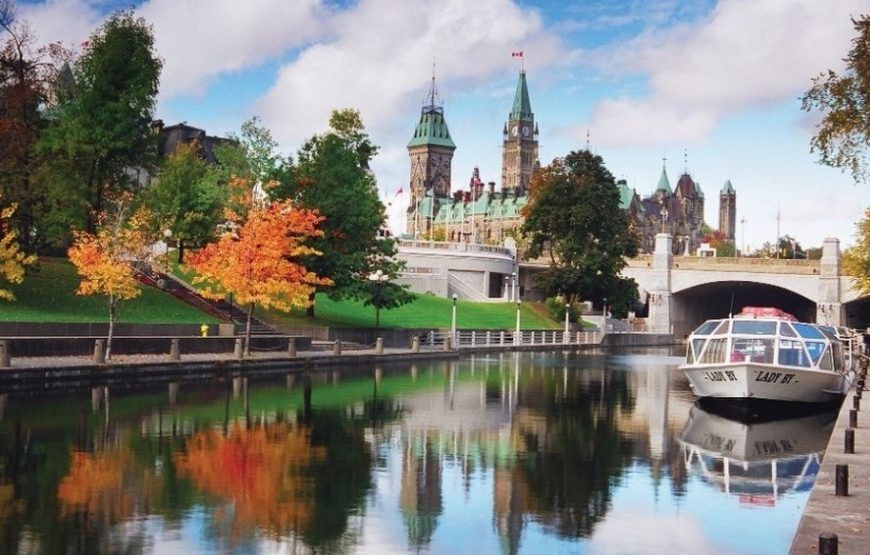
<point x="827" y="513"/>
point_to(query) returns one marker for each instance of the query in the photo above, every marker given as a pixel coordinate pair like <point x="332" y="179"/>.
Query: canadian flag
<point x="517" y="54"/>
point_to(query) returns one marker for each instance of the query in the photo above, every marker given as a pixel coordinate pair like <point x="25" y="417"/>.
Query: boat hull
<point x="765" y="382"/>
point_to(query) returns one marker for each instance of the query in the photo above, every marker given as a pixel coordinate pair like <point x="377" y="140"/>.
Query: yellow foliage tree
<point x="856" y="259"/>
<point x="12" y="260"/>
<point x="257" y="260"/>
<point x="103" y="259"/>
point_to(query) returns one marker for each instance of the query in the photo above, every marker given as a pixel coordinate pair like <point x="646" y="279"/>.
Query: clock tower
<point x="520" y="143"/>
<point x="431" y="152"/>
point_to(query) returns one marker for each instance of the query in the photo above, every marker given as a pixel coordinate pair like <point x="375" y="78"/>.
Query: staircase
<point x="221" y="309"/>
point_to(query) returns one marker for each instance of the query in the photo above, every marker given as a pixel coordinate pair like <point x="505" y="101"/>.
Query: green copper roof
<point x="626" y="193"/>
<point x="728" y="189"/>
<point x="664" y="184"/>
<point x="522" y="109"/>
<point x="432" y="129"/>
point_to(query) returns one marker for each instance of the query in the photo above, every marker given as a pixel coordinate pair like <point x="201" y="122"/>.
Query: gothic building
<point x="480" y="214"/>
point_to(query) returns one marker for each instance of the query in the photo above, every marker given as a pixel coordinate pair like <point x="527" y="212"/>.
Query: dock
<point x="837" y="516"/>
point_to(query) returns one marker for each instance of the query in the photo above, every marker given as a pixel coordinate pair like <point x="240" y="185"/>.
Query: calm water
<point x="511" y="453"/>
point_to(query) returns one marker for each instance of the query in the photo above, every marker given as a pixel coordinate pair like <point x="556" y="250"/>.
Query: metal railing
<point x="465" y="339"/>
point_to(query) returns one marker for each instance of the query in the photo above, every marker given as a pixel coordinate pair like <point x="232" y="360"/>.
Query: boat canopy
<point x="765" y="340"/>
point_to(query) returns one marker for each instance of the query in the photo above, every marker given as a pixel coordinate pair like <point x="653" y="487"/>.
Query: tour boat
<point x="766" y="354"/>
<point x="756" y="461"/>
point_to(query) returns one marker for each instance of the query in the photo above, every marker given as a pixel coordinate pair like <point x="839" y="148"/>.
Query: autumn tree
<point x="186" y="199"/>
<point x="856" y="259"/>
<point x="101" y="133"/>
<point x="575" y="222"/>
<point x="258" y="260"/>
<point x="332" y="176"/>
<point x="717" y="240"/>
<point x="842" y="138"/>
<point x="12" y="259"/>
<point x="28" y="74"/>
<point x="103" y="259"/>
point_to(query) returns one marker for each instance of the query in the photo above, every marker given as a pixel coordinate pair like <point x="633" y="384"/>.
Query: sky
<point x="708" y="87"/>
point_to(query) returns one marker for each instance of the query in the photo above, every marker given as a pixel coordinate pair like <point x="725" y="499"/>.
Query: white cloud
<point x="745" y="54"/>
<point x="68" y="21"/>
<point x="379" y="60"/>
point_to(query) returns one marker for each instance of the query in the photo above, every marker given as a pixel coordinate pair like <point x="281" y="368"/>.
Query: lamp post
<point x="514" y="287"/>
<point x="507" y="288"/>
<point x="567" y="309"/>
<point x="604" y="310"/>
<point x="378" y="278"/>
<point x="517" y="338"/>
<point x="453" y="321"/>
<point x="167" y="235"/>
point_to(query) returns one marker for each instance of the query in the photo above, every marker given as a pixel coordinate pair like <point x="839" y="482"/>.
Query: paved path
<point x="846" y="516"/>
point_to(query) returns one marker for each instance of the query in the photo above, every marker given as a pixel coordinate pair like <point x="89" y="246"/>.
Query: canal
<point x="499" y="453"/>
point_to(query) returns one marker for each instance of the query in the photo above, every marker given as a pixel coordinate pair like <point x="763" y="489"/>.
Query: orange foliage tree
<point x="264" y="471"/>
<point x="103" y="259"/>
<point x="12" y="260"/>
<point x="257" y="260"/>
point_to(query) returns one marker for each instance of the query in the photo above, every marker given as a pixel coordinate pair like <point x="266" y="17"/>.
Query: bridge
<point x="679" y="292"/>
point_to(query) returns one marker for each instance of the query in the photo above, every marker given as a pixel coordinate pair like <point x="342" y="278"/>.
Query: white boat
<point x="756" y="461"/>
<point x="766" y="354"/>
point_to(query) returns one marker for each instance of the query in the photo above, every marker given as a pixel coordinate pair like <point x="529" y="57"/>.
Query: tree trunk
<point x="112" y="306"/>
<point x="248" y="330"/>
<point x="309" y="311"/>
<point x="181" y="251"/>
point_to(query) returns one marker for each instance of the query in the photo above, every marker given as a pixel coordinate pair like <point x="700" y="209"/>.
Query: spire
<point x="664" y="184"/>
<point x="432" y="127"/>
<point x="522" y="108"/>
<point x="728" y="189"/>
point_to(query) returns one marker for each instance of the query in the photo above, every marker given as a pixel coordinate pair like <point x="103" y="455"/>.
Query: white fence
<point x="497" y="338"/>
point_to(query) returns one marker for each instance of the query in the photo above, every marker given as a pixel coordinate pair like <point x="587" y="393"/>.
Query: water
<point x="504" y="453"/>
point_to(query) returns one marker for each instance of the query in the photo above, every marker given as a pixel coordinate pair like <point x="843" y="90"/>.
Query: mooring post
<point x="853" y="418"/>
<point x="841" y="485"/>
<point x="488" y="338"/>
<point x="174" y="349"/>
<point x="336" y="347"/>
<point x="856" y="403"/>
<point x="415" y="344"/>
<point x="238" y="351"/>
<point x="828" y="544"/>
<point x="99" y="351"/>
<point x="849" y="447"/>
<point x="448" y="344"/>
<point x="5" y="357"/>
<point x="291" y="347"/>
<point x="501" y="337"/>
<point x="379" y="346"/>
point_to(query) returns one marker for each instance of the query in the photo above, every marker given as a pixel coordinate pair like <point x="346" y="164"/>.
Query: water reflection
<point x="500" y="453"/>
<point x="758" y="460"/>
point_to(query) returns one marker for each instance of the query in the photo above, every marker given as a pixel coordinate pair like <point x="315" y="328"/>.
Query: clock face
<point x="514" y="130"/>
<point x="525" y="131"/>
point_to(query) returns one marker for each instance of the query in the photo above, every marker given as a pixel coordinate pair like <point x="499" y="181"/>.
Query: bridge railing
<point x="465" y="339"/>
<point x="453" y="246"/>
<point x="734" y="264"/>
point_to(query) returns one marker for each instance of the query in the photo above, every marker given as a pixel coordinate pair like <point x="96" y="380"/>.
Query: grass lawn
<point x="48" y="295"/>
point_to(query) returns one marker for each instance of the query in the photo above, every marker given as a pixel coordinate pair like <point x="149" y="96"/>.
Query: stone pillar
<point x="660" y="302"/>
<point x="5" y="356"/>
<point x="379" y="346"/>
<point x="175" y="349"/>
<point x="829" y="309"/>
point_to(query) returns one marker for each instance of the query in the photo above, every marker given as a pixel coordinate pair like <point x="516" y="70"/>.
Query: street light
<point x="514" y="287"/>
<point x="378" y="278"/>
<point x="605" y="308"/>
<point x="567" y="309"/>
<point x="517" y="338"/>
<point x="453" y="320"/>
<point x="167" y="234"/>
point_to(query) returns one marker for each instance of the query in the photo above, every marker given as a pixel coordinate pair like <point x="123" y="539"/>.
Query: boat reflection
<point x="757" y="461"/>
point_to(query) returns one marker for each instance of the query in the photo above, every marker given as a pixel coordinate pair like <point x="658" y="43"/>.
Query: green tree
<point x="27" y="75"/>
<point x="101" y="133"/>
<point x="186" y="199"/>
<point x="717" y="240"/>
<point x="856" y="259"/>
<point x="254" y="157"/>
<point x="842" y="138"/>
<point x="574" y="220"/>
<point x="333" y="177"/>
<point x="379" y="289"/>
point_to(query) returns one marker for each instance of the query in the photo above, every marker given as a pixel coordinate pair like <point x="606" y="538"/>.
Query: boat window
<point x="827" y="362"/>
<point x="697" y="346"/>
<point x="751" y="350"/>
<point x="791" y="353"/>
<point x="754" y="327"/>
<point x="706" y="327"/>
<point x="808" y="330"/>
<point x="815" y="349"/>
<point x="722" y="329"/>
<point x="715" y="351"/>
<point x="786" y="330"/>
<point x="839" y="356"/>
<point x="829" y="332"/>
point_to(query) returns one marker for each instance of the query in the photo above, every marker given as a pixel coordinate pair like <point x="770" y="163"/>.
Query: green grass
<point x="48" y="295"/>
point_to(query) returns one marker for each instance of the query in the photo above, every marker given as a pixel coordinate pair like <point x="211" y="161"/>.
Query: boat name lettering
<point x="774" y="377"/>
<point x="720" y="376"/>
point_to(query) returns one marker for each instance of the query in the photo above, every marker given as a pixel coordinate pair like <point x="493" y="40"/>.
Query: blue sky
<point x="713" y="86"/>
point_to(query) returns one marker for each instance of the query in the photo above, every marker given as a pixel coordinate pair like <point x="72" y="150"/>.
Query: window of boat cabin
<point x="751" y="349"/>
<point x="753" y="327"/>
<point x="722" y="329"/>
<point x="815" y="349"/>
<point x="792" y="353"/>
<point x="695" y="349"/>
<point x="786" y="330"/>
<point x="707" y="327"/>
<point x="808" y="331"/>
<point x="714" y="353"/>
<point x="827" y="362"/>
